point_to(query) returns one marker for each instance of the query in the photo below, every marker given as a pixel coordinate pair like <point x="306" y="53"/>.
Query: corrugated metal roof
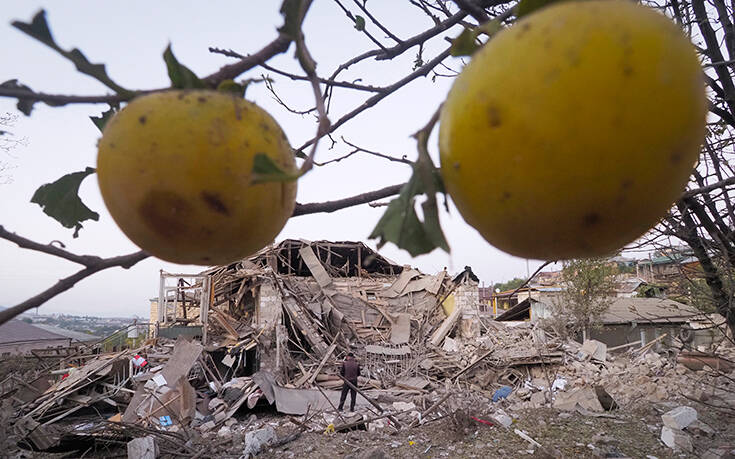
<point x="646" y="310"/>
<point x="16" y="331"/>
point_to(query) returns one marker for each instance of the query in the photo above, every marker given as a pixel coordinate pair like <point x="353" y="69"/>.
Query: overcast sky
<point x="130" y="37"/>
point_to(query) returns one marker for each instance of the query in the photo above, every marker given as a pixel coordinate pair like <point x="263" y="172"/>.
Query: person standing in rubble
<point x="349" y="370"/>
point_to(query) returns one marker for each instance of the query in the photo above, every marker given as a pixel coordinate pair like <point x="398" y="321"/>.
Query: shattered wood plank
<point x="472" y="365"/>
<point x="223" y="323"/>
<point x="445" y="327"/>
<point x="183" y="358"/>
<point x="303" y="323"/>
<point x="430" y="409"/>
<point x="397" y="287"/>
<point x="315" y="266"/>
<point x="415" y="383"/>
<point x="324" y="360"/>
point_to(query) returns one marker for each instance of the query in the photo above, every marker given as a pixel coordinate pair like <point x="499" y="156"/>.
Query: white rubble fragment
<point x="255" y="440"/>
<point x="676" y="439"/>
<point x="143" y="448"/>
<point x="450" y="345"/>
<point x="502" y="418"/>
<point x="680" y="417"/>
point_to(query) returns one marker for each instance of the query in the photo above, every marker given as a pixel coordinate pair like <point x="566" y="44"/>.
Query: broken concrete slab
<point x="593" y="349"/>
<point x="676" y="439"/>
<point x="680" y="417"/>
<point x="143" y="448"/>
<point x="585" y="397"/>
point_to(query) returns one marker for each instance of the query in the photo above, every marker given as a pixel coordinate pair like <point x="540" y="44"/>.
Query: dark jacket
<point x="350" y="370"/>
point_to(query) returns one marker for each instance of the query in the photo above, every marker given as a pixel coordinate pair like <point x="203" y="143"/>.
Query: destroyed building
<point x="267" y="334"/>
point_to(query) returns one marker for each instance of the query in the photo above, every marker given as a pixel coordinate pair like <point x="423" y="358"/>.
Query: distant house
<point x="668" y="267"/>
<point x="19" y="338"/>
<point x="633" y="287"/>
<point x="627" y="320"/>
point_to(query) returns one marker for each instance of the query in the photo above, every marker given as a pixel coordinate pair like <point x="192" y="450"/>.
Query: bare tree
<point x="8" y="142"/>
<point x="704" y="216"/>
<point x="588" y="287"/>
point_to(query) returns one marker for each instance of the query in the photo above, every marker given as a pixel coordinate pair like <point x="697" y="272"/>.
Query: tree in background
<point x="8" y="142"/>
<point x="588" y="290"/>
<point x="509" y="285"/>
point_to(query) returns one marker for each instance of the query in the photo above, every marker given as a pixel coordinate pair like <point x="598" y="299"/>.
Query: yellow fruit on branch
<point x="571" y="133"/>
<point x="175" y="170"/>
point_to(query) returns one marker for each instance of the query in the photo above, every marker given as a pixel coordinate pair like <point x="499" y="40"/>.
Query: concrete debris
<point x="680" y="417"/>
<point x="143" y="448"/>
<point x="676" y="439"/>
<point x="593" y="398"/>
<point x="278" y="326"/>
<point x="719" y="453"/>
<point x="592" y="349"/>
<point x="502" y="418"/>
<point x="256" y="440"/>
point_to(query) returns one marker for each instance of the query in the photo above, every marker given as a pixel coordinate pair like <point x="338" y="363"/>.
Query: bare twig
<point x="124" y="261"/>
<point x="349" y="14"/>
<point x="376" y="22"/>
<point x="86" y="260"/>
<point x="705" y="189"/>
<point x="331" y="206"/>
<point x="421" y="71"/>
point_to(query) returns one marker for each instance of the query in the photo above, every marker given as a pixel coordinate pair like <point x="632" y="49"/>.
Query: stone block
<point x="676" y="439"/>
<point x="143" y="448"/>
<point x="680" y="417"/>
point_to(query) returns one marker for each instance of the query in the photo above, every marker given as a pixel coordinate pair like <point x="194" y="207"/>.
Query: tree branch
<point x="86" y="260"/>
<point x="331" y="206"/>
<point x="229" y="72"/>
<point x="124" y="261"/>
<point x="59" y="99"/>
<point x="421" y="71"/>
<point x="708" y="188"/>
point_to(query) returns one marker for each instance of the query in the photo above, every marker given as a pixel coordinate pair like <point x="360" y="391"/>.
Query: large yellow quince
<point x="175" y="169"/>
<point x="572" y="132"/>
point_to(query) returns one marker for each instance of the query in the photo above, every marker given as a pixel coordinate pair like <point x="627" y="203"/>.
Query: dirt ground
<point x="633" y="433"/>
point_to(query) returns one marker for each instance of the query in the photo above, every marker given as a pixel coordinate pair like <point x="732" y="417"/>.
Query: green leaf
<point x="359" y="23"/>
<point x="24" y="105"/>
<point x="181" y="77"/>
<point x="233" y="87"/>
<point x="38" y="28"/>
<point x="464" y="44"/>
<point x="266" y="170"/>
<point x="60" y="200"/>
<point x="401" y="225"/>
<point x="101" y="121"/>
<point x="526" y="7"/>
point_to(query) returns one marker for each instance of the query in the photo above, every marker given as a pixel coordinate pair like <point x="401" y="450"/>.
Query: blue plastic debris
<point x="165" y="421"/>
<point x="502" y="393"/>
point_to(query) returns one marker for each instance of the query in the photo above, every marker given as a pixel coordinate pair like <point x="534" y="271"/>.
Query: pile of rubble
<point x="269" y="333"/>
